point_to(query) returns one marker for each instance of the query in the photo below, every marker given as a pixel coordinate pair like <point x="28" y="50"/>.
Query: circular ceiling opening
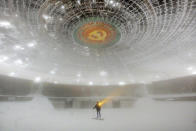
<point x="96" y="33"/>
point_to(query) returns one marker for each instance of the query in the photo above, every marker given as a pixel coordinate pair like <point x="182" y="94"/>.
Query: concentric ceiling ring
<point x="111" y="21"/>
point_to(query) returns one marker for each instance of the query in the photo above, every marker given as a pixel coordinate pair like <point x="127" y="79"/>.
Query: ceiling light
<point x="18" y="62"/>
<point x="111" y="1"/>
<point x="91" y="83"/>
<point x="18" y="47"/>
<point x="6" y="24"/>
<point x="37" y="79"/>
<point x="52" y="72"/>
<point x="56" y="82"/>
<point x="12" y="74"/>
<point x="31" y="44"/>
<point x="46" y="17"/>
<point x="121" y="83"/>
<point x="3" y="58"/>
<point x="194" y="72"/>
<point x="62" y="7"/>
<point x="78" y="1"/>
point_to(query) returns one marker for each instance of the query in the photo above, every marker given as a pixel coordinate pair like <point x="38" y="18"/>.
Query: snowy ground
<point x="146" y="115"/>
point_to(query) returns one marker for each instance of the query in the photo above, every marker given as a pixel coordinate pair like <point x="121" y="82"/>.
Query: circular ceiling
<point x="97" y="42"/>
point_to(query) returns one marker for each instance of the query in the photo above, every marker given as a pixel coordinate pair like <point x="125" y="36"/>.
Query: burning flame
<point x="115" y="93"/>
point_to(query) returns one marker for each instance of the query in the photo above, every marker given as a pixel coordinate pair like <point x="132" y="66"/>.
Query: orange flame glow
<point x="115" y="93"/>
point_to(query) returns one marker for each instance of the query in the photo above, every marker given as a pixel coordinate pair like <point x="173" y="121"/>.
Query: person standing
<point x="98" y="109"/>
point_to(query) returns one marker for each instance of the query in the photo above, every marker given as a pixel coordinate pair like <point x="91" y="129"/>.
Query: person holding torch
<point x="98" y="108"/>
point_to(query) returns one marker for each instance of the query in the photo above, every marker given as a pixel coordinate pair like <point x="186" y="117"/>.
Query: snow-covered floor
<point x="146" y="115"/>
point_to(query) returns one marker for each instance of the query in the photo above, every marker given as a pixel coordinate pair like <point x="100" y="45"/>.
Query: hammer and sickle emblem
<point x="97" y="35"/>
